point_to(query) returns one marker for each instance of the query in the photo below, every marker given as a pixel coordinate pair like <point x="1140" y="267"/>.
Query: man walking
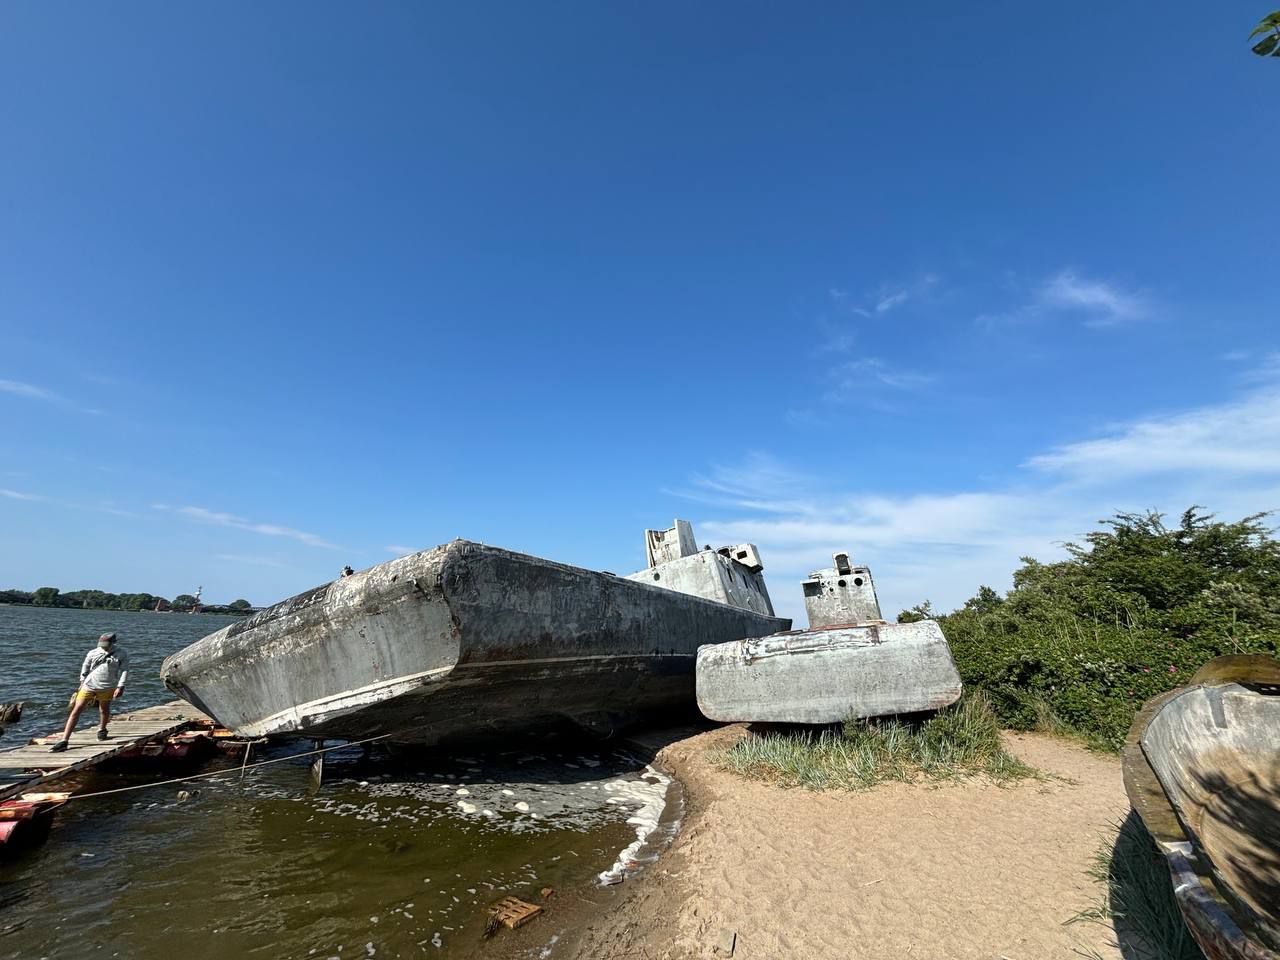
<point x="102" y="679"/>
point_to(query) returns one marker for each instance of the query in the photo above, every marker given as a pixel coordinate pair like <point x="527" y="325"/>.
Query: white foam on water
<point x="651" y="794"/>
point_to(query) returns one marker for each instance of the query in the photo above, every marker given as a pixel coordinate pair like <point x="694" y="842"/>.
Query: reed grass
<point x="1137" y="897"/>
<point x="958" y="742"/>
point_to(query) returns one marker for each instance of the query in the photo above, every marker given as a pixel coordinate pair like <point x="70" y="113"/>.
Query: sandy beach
<point x="967" y="870"/>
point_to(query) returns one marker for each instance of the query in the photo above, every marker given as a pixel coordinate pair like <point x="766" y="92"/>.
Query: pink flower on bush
<point x="1146" y="669"/>
<point x="1172" y="668"/>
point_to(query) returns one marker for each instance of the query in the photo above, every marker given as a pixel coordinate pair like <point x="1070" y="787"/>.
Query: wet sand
<point x="919" y="871"/>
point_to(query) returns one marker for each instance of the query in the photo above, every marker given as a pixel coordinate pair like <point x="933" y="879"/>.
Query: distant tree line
<point x="101" y="600"/>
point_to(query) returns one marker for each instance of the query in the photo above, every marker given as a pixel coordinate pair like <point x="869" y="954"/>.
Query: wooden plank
<point x="30" y="764"/>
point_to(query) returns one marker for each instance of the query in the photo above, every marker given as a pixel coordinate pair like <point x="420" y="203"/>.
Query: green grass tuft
<point x="960" y="741"/>
<point x="1138" y="897"/>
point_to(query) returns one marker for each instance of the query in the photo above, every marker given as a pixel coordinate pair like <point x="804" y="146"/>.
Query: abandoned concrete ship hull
<point x="828" y="674"/>
<point x="458" y="642"/>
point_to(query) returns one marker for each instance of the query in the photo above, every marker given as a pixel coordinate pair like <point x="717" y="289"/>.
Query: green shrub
<point x="1079" y="645"/>
<point x="961" y="740"/>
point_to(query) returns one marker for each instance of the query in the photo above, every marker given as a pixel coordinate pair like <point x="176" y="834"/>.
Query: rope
<point x="223" y="773"/>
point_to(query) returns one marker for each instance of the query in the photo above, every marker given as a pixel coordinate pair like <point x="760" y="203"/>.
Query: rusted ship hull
<point x="458" y="642"/>
<point x="1200" y="770"/>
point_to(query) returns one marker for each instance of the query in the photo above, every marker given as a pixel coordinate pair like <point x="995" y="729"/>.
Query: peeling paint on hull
<point x="457" y="642"/>
<point x="829" y="674"/>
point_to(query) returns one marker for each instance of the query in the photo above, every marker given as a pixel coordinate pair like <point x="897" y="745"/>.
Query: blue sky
<point x="287" y="288"/>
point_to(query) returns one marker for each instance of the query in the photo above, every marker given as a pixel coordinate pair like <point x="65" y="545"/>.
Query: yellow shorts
<point x="102" y="696"/>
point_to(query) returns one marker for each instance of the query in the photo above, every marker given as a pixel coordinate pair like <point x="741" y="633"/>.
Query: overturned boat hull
<point x="1201" y="770"/>
<point x="828" y="674"/>
<point x="458" y="642"/>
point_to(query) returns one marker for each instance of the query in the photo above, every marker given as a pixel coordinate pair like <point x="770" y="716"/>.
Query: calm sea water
<point x="390" y="858"/>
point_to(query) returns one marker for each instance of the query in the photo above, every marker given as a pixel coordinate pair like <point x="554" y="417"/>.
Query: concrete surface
<point x="843" y="593"/>
<point x="460" y="641"/>
<point x="826" y="676"/>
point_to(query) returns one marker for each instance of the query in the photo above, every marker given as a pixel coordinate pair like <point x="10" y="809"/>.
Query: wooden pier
<point x="30" y="765"/>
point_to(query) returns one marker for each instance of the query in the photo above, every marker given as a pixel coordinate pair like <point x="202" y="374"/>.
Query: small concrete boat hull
<point x="1202" y="770"/>
<point x="829" y="674"/>
<point x="459" y="642"/>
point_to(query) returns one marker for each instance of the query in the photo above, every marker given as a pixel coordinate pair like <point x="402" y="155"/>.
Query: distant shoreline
<point x="200" y="613"/>
<point x="92" y="599"/>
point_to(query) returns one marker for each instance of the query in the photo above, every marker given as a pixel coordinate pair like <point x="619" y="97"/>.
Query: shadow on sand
<point x="1139" y="898"/>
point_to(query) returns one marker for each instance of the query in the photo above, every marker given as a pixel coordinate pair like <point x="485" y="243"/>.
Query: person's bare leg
<point x="104" y="708"/>
<point x="72" y="718"/>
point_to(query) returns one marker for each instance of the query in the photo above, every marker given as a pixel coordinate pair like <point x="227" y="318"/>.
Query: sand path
<point x="921" y="872"/>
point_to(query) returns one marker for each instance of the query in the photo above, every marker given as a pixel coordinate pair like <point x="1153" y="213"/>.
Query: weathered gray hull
<point x="457" y="642"/>
<point x="829" y="674"/>
<point x="1202" y="770"/>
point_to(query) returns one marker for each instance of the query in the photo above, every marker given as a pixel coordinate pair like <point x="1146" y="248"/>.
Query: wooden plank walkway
<point x="27" y="766"/>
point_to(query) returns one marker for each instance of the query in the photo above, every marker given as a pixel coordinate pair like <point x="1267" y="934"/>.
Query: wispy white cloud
<point x="1242" y="437"/>
<point x="760" y="481"/>
<point x="938" y="546"/>
<point x="854" y="377"/>
<point x="104" y="506"/>
<point x="942" y="545"/>
<point x="1265" y="371"/>
<point x="837" y="336"/>
<point x="862" y="378"/>
<point x="887" y="298"/>
<point x="19" y="495"/>
<point x="220" y="519"/>
<point x="887" y="302"/>
<point x="1067" y="293"/>
<point x="802" y="417"/>
<point x="1104" y="304"/>
<point x="399" y="550"/>
<point x="107" y="506"/>
<point x="29" y="390"/>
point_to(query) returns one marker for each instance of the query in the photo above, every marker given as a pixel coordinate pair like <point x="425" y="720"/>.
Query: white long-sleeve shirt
<point x="104" y="669"/>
